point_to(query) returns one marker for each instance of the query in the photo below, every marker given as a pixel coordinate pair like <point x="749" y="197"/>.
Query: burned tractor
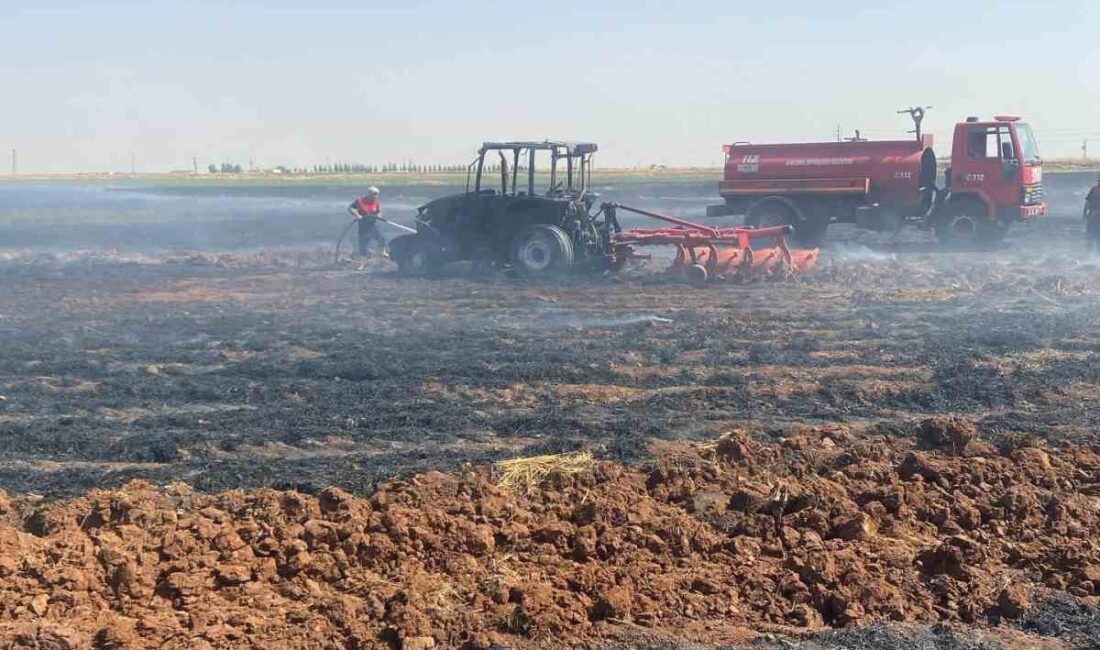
<point x="543" y="225"/>
<point x="536" y="223"/>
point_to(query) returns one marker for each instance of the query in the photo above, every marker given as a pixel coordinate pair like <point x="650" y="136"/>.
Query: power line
<point x="1075" y="138"/>
<point x="1066" y="131"/>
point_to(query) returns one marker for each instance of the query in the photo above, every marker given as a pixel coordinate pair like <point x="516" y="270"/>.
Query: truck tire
<point x="808" y="232"/>
<point x="965" y="224"/>
<point x="770" y="213"/>
<point x="542" y="251"/>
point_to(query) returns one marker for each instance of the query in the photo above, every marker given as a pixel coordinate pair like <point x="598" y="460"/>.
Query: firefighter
<point x="366" y="210"/>
<point x="1092" y="218"/>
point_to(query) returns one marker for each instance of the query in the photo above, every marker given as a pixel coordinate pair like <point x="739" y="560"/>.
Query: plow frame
<point x="704" y="252"/>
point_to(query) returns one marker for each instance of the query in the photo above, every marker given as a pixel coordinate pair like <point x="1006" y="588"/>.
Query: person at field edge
<point x="1092" y="218"/>
<point x="367" y="211"/>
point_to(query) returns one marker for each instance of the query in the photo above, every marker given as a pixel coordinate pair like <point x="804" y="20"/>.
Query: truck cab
<point x="995" y="179"/>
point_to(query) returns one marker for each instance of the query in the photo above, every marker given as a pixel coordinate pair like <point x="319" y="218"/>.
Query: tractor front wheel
<point x="418" y="256"/>
<point x="542" y="251"/>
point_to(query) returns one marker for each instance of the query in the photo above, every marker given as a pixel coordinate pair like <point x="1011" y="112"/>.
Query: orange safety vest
<point x="367" y="206"/>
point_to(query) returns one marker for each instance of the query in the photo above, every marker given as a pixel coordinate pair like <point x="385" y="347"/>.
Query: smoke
<point x="851" y="251"/>
<point x="27" y="256"/>
<point x="554" y="318"/>
<point x="587" y="320"/>
<point x="300" y="257"/>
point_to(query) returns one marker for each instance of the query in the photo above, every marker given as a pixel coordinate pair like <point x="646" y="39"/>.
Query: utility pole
<point x="195" y="165"/>
<point x="1085" y="149"/>
<point x="838" y="133"/>
<point x="14" y="162"/>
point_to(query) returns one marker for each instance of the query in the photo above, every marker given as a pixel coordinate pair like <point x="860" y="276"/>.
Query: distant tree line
<point x="352" y="168"/>
<point x="388" y="168"/>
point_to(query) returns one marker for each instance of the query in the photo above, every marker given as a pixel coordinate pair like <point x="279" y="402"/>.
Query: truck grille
<point x="1033" y="194"/>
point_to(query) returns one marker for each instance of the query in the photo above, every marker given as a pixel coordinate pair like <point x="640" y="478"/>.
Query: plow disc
<point x="704" y="253"/>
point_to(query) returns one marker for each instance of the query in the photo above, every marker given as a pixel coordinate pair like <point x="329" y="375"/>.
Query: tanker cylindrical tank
<point x="886" y="171"/>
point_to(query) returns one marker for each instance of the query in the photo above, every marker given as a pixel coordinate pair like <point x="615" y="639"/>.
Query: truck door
<point x="991" y="165"/>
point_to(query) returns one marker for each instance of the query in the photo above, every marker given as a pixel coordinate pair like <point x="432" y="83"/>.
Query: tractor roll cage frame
<point x="578" y="165"/>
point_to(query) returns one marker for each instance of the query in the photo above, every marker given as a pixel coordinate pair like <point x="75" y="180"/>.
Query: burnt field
<point x="770" y="458"/>
<point x="251" y="370"/>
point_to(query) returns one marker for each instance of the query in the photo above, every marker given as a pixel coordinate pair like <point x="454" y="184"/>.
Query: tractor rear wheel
<point x="542" y="251"/>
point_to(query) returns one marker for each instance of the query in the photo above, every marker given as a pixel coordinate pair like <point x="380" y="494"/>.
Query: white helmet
<point x="372" y="191"/>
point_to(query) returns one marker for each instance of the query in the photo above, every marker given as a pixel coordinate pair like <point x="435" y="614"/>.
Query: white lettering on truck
<point x="819" y="162"/>
<point x="750" y="164"/>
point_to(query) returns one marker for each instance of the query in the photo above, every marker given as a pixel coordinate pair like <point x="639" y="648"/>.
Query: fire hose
<point x="344" y="233"/>
<point x="340" y="240"/>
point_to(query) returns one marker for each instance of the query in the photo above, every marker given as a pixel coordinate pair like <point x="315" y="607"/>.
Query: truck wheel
<point x="808" y="233"/>
<point x="965" y="224"/>
<point x="542" y="251"/>
<point x="768" y="214"/>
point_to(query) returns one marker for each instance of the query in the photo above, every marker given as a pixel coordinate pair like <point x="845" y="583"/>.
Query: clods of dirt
<point x="826" y="528"/>
<point x="950" y="433"/>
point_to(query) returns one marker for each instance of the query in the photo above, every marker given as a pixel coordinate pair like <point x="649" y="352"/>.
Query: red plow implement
<point x="704" y="253"/>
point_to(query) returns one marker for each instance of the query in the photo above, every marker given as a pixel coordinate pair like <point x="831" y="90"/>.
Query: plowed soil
<point x="711" y="541"/>
<point x="260" y="450"/>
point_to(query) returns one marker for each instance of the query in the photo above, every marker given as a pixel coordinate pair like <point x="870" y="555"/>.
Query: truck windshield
<point x="1029" y="150"/>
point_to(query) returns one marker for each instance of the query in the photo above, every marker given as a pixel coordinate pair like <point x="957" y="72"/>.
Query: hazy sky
<point x="301" y="82"/>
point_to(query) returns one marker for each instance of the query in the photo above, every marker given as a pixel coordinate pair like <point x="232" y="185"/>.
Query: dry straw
<point x="524" y="475"/>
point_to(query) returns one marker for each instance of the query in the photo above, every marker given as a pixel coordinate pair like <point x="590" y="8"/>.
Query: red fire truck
<point x="994" y="179"/>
